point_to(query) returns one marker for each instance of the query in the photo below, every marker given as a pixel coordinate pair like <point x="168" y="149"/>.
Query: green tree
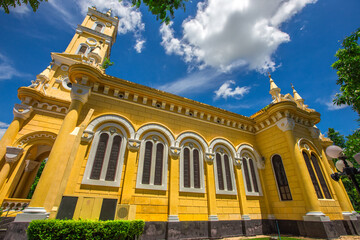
<point x="336" y="137"/>
<point x="5" y="4"/>
<point x="163" y="9"/>
<point x="348" y="71"/>
<point x="351" y="146"/>
<point x="36" y="180"/>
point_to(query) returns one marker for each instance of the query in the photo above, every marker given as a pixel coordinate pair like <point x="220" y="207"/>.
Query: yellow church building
<point x="120" y="150"/>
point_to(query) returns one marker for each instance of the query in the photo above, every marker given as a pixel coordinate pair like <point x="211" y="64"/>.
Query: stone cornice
<point x="95" y="33"/>
<point x="92" y="12"/>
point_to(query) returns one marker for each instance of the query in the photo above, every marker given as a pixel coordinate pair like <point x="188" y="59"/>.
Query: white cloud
<point x="226" y="91"/>
<point x="139" y="45"/>
<point x="330" y="105"/>
<point x="23" y="9"/>
<point x="193" y="83"/>
<point x="234" y="33"/>
<point x="7" y="71"/>
<point x="3" y="127"/>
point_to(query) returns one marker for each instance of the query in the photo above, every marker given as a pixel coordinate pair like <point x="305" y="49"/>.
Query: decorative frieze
<point x="286" y="124"/>
<point x="50" y="136"/>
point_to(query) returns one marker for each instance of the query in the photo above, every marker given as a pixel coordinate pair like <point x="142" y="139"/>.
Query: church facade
<point x="115" y="149"/>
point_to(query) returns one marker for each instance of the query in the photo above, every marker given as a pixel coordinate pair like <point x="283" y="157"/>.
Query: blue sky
<point x="217" y="52"/>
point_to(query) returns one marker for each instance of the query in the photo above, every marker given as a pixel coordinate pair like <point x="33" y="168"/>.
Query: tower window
<point x="99" y="27"/>
<point x="83" y="49"/>
<point x="281" y="179"/>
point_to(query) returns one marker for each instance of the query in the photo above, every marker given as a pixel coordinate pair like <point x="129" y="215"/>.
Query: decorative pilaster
<point x="312" y="204"/>
<point x="20" y="192"/>
<point x="244" y="211"/>
<point x="49" y="185"/>
<point x="210" y="187"/>
<point x="174" y="185"/>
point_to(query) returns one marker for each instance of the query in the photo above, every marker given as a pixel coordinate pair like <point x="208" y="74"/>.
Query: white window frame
<point x="196" y="145"/>
<point x="87" y="50"/>
<point x="96" y="23"/>
<point x="249" y="155"/>
<point x="217" y="149"/>
<point x="146" y="138"/>
<point x="89" y="165"/>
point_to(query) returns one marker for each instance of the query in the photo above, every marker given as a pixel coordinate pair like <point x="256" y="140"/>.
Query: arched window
<point x="152" y="168"/>
<point x="316" y="175"/>
<point x="83" y="49"/>
<point x="224" y="172"/>
<point x="191" y="168"/>
<point x="99" y="27"/>
<point x="281" y="179"/>
<point x="104" y="165"/>
<point x="250" y="174"/>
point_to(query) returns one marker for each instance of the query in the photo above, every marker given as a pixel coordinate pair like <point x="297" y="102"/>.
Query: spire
<point x="274" y="90"/>
<point x="297" y="97"/>
<point x="272" y="83"/>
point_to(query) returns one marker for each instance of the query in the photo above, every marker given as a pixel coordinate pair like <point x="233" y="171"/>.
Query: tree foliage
<point x="5" y="4"/>
<point x="36" y="180"/>
<point x="348" y="71"/>
<point x="163" y="9"/>
<point x="351" y="146"/>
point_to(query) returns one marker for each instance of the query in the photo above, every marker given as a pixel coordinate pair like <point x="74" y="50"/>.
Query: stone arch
<point x="111" y="118"/>
<point x="41" y="137"/>
<point x="194" y="136"/>
<point x="152" y="127"/>
<point x="224" y="142"/>
<point x="307" y="141"/>
<point x="250" y="149"/>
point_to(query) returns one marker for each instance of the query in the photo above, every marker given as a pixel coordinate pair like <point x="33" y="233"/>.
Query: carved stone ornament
<point x="286" y="124"/>
<point x="30" y="165"/>
<point x="175" y="152"/>
<point x="87" y="136"/>
<point x="237" y="162"/>
<point x="209" y="157"/>
<point x="315" y="132"/>
<point x="133" y="145"/>
<point x="13" y="154"/>
<point x="22" y="111"/>
<point x="80" y="92"/>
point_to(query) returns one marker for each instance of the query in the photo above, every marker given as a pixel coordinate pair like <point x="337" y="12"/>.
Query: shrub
<point x="55" y="229"/>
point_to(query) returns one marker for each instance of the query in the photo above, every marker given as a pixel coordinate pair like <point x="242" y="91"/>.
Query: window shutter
<point x="281" y="178"/>
<point x="147" y="163"/>
<point x="159" y="164"/>
<point x="318" y="171"/>
<point x="247" y="176"/>
<point x="227" y="172"/>
<point x="196" y="168"/>
<point x="99" y="156"/>
<point x="312" y="176"/>
<point x="252" y="168"/>
<point x="113" y="159"/>
<point x="186" y="165"/>
<point x="219" y="172"/>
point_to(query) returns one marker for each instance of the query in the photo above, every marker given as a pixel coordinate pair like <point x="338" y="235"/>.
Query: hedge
<point x="84" y="229"/>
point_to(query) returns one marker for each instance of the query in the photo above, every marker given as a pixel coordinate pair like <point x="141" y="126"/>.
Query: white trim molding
<point x="156" y="127"/>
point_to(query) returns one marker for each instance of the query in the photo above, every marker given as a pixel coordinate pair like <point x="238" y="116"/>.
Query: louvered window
<point x="99" y="27"/>
<point x="83" y="49"/>
<point x="191" y="169"/>
<point x="106" y="156"/>
<point x="250" y="174"/>
<point x="224" y="173"/>
<point x="152" y="165"/>
<point x="316" y="176"/>
<point x="281" y="179"/>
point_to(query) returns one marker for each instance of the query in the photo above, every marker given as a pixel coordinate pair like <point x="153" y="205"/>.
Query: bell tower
<point x="94" y="37"/>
